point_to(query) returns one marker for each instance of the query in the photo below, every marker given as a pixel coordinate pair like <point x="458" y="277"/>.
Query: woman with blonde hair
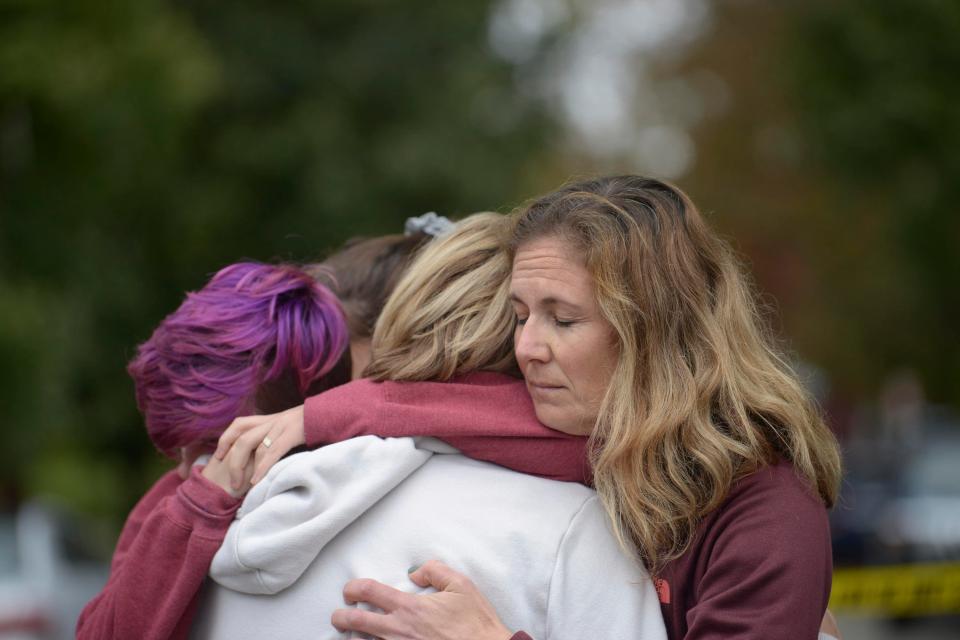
<point x="374" y="507"/>
<point x="635" y="326"/>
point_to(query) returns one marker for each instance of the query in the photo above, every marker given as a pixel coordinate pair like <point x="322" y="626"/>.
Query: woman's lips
<point x="543" y="388"/>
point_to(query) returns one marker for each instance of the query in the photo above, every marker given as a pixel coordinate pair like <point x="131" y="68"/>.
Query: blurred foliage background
<point x="145" y="144"/>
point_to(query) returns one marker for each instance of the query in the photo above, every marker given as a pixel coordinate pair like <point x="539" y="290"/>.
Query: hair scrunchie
<point x="429" y="223"/>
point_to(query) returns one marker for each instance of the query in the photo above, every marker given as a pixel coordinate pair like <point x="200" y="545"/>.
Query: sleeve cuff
<point x="203" y="505"/>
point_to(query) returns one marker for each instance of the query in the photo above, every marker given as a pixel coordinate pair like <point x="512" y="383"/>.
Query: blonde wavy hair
<point x="700" y="396"/>
<point x="450" y="313"/>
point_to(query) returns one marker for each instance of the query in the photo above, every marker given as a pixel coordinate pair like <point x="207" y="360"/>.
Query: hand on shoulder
<point x="253" y="444"/>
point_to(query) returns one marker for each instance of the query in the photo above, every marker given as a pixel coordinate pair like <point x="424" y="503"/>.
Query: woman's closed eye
<point x="560" y="322"/>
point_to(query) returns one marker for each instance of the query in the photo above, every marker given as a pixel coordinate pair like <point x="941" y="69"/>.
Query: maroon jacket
<point x="759" y="567"/>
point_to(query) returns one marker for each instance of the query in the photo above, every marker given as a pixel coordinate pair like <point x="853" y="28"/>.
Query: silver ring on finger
<point x="267" y="441"/>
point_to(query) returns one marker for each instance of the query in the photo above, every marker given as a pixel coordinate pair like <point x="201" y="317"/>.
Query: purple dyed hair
<point x="250" y="325"/>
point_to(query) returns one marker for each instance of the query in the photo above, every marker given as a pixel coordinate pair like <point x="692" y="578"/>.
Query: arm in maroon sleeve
<point x="161" y="560"/>
<point x="760" y="568"/>
<point x="487" y="416"/>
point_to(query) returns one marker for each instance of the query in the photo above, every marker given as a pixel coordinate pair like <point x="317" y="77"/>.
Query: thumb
<point x="437" y="575"/>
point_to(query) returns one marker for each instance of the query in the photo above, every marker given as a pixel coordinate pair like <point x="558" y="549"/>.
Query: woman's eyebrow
<point x="549" y="301"/>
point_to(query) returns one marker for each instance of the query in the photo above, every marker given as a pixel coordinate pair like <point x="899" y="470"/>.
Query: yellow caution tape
<point x="903" y="590"/>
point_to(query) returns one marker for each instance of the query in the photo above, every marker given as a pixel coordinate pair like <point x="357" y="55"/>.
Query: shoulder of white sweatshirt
<point x="303" y="502"/>
<point x="540" y="550"/>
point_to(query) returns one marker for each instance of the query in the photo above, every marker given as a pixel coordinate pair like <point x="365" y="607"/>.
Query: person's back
<point x="539" y="548"/>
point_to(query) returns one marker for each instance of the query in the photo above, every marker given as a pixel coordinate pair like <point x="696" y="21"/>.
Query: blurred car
<point x="921" y="521"/>
<point x="47" y="573"/>
<point x="901" y="505"/>
<point x="896" y="529"/>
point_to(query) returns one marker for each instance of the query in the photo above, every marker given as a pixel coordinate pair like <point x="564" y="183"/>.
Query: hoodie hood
<point x="304" y="501"/>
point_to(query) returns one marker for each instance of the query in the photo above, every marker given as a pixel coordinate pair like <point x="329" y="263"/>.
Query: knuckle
<point x="247" y="440"/>
<point x="363" y="589"/>
<point x="414" y="608"/>
<point x="353" y="617"/>
<point x="461" y="583"/>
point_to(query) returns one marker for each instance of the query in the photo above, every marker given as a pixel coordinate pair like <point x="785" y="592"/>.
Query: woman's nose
<point x="529" y="344"/>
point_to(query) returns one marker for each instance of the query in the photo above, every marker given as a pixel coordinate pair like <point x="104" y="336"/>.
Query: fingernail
<point x="414" y="568"/>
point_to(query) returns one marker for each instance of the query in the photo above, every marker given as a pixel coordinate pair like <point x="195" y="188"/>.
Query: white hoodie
<point x="540" y="550"/>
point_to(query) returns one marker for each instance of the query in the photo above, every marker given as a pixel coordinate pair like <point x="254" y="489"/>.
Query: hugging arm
<point x="487" y="416"/>
<point x="160" y="561"/>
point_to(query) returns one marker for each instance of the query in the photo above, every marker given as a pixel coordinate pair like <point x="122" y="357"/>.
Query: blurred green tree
<point x="143" y="145"/>
<point x="876" y="88"/>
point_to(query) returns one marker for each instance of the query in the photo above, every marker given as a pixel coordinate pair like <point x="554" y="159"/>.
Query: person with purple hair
<point x="257" y="338"/>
